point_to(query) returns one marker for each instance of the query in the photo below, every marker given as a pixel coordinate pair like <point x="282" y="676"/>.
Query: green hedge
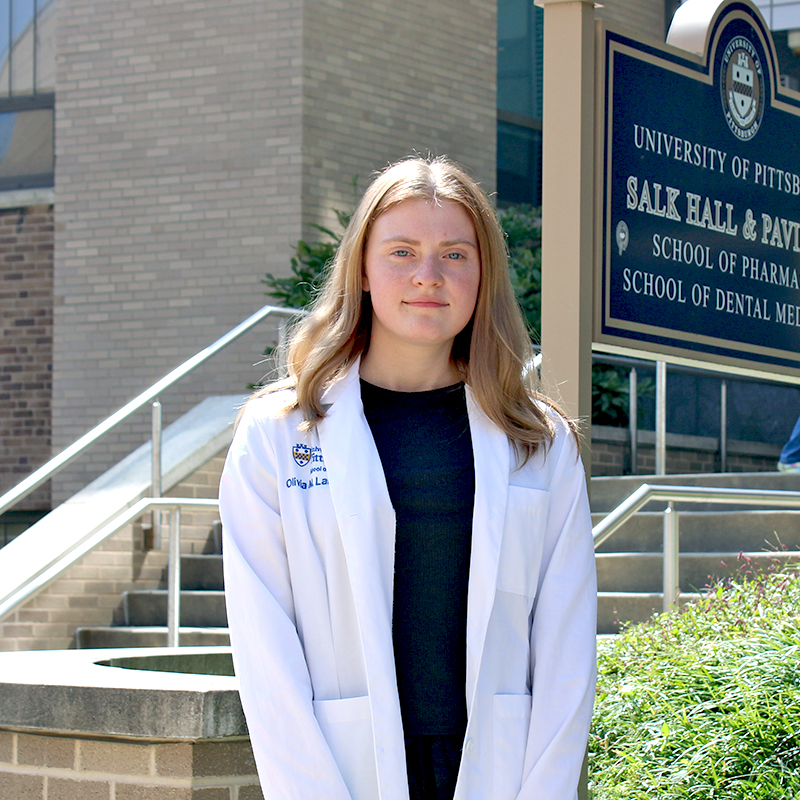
<point x="704" y="703"/>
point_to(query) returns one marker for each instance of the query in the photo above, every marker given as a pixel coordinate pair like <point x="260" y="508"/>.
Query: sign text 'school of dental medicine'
<point x="699" y="254"/>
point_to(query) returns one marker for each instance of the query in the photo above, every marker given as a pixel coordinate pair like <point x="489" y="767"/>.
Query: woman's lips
<point x="425" y="303"/>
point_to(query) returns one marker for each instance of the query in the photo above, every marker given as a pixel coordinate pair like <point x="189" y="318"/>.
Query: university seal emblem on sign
<point x="301" y="454"/>
<point x="742" y="88"/>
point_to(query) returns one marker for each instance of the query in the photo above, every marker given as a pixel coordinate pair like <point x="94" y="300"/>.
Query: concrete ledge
<point x="158" y="695"/>
<point x="24" y="198"/>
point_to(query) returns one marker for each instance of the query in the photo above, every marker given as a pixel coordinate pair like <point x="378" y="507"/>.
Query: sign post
<point x="568" y="208"/>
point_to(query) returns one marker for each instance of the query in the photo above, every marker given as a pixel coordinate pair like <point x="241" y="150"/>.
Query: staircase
<point x="715" y="542"/>
<point x="143" y="614"/>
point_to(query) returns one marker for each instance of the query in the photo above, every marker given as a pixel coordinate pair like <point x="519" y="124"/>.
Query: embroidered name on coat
<point x="305" y="455"/>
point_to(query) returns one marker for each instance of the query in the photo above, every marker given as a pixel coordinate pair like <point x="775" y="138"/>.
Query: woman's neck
<point x="401" y="372"/>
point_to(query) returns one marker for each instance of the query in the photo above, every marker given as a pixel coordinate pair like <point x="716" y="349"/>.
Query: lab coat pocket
<point x="523" y="539"/>
<point x="511" y="721"/>
<point x="346" y="725"/>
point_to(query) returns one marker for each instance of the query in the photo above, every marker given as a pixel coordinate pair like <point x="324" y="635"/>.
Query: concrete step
<point x="151" y="636"/>
<point x="201" y="572"/>
<point x="708" y="531"/>
<point x="198" y="609"/>
<point x="608" y="492"/>
<point x="642" y="572"/>
<point x="616" y="609"/>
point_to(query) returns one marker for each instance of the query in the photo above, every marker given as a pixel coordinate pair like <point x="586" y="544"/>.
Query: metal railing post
<point x="723" y="426"/>
<point x="156" y="427"/>
<point x="671" y="557"/>
<point x="661" y="418"/>
<point x="174" y="579"/>
<point x="633" y="418"/>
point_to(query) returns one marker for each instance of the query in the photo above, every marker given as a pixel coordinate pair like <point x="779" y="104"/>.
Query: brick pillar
<point x="26" y="346"/>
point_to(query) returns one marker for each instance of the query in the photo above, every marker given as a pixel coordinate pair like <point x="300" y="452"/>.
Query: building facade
<point x="158" y="157"/>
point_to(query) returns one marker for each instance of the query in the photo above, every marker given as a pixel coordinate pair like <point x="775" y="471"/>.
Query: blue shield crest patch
<point x="301" y="454"/>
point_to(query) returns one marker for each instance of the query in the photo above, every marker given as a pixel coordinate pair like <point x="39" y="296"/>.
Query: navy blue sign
<point x="701" y="199"/>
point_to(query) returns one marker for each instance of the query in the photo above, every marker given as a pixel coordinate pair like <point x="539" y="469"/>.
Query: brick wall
<point x="177" y="176"/>
<point x="62" y="767"/>
<point x="90" y="591"/>
<point x="611" y="454"/>
<point x="384" y="79"/>
<point x="26" y="346"/>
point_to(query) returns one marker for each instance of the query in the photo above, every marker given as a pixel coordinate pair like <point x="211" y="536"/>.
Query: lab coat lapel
<point x="491" y="451"/>
<point x="366" y="521"/>
<point x="360" y="497"/>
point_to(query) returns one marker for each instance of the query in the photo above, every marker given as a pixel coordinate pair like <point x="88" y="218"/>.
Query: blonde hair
<point x="493" y="353"/>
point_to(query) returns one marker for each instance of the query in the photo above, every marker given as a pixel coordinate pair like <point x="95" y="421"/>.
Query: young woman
<point x="409" y="568"/>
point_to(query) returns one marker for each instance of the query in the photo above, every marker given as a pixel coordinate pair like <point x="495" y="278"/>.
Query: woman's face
<point x="422" y="269"/>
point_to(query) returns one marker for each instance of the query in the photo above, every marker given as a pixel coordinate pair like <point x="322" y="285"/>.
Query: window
<point x="27" y="85"/>
<point x="519" y="159"/>
<point x="520" y="38"/>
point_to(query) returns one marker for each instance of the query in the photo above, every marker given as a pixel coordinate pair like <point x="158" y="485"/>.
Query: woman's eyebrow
<point x="399" y="238"/>
<point x="453" y="242"/>
<point x="448" y="243"/>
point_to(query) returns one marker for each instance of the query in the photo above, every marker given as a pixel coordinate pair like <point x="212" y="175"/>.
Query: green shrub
<point x="611" y="395"/>
<point x="522" y="226"/>
<point x="704" y="703"/>
<point x="308" y="267"/>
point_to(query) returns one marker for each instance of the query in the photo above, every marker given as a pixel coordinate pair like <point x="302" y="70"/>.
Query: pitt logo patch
<point x="301" y="454"/>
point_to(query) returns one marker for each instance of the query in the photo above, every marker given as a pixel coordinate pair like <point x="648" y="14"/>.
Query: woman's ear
<point x="364" y="280"/>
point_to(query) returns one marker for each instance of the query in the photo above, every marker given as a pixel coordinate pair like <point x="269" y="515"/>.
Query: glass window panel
<point x="514" y="94"/>
<point x="537" y="60"/>
<point x="519" y="164"/>
<point x="519" y="57"/>
<point x="786" y="17"/>
<point x="22" y="46"/>
<point x="5" y="10"/>
<point x="46" y="46"/>
<point x="512" y="19"/>
<point x="7" y="123"/>
<point x="26" y="149"/>
<point x="21" y="16"/>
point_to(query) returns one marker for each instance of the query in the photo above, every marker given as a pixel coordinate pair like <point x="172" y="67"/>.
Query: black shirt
<point x="425" y="447"/>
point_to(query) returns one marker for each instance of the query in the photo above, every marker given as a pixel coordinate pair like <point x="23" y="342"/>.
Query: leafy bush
<point x="611" y="395"/>
<point x="522" y="226"/>
<point x="308" y="267"/>
<point x="704" y="704"/>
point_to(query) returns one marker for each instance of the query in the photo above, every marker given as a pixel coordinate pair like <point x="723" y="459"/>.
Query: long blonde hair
<point x="492" y="353"/>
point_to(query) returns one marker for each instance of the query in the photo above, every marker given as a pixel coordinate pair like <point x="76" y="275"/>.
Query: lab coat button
<point x="469" y="746"/>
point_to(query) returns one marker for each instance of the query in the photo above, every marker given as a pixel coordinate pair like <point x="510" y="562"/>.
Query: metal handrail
<point x="171" y="504"/>
<point x="687" y="494"/>
<point x="69" y="454"/>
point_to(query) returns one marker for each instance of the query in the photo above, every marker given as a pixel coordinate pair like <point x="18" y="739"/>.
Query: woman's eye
<point x="455" y="256"/>
<point x="401" y="252"/>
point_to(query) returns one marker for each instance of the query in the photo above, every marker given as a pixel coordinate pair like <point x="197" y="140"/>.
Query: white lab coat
<point x="309" y="551"/>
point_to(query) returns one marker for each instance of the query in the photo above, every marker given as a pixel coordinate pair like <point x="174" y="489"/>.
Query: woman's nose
<point x="428" y="271"/>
